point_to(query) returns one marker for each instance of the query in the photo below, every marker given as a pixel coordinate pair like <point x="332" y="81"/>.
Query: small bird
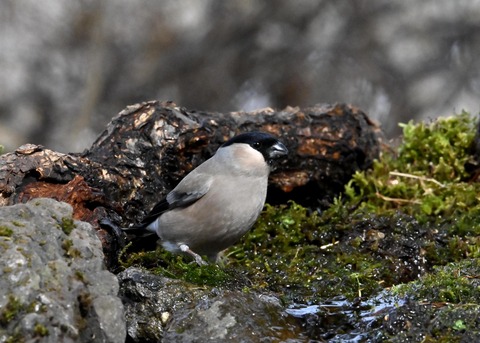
<point x="217" y="202"/>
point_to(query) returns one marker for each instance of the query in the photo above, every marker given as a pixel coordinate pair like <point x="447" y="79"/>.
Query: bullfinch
<point x="217" y="202"/>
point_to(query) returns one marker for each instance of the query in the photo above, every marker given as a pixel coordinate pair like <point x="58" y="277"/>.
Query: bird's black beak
<point x="277" y="150"/>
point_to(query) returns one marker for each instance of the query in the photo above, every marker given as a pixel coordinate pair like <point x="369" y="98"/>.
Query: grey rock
<point x="165" y="310"/>
<point x="233" y="316"/>
<point x="54" y="286"/>
<point x="150" y="300"/>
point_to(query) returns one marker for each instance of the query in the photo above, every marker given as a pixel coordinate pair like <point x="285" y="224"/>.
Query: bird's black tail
<point x="137" y="231"/>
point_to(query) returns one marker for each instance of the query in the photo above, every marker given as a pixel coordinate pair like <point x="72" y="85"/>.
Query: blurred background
<point x="68" y="67"/>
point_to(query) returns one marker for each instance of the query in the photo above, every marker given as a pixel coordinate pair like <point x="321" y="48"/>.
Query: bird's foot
<point x="186" y="249"/>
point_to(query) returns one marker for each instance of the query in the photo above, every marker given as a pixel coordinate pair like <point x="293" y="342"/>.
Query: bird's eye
<point x="256" y="145"/>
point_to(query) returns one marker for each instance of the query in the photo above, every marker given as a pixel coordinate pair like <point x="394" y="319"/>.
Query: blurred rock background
<point x="67" y="67"/>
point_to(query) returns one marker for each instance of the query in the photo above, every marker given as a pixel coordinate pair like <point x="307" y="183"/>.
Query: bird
<point x="218" y="202"/>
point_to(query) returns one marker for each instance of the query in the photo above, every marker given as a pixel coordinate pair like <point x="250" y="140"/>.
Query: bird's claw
<point x="186" y="249"/>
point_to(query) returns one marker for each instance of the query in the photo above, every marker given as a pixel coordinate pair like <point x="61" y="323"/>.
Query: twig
<point x="422" y="178"/>
<point x="398" y="200"/>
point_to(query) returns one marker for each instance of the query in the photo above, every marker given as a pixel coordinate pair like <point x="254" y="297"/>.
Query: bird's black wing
<point x="154" y="213"/>
<point x="139" y="230"/>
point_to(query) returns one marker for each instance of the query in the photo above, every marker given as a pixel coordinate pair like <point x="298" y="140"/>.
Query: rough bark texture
<point x="146" y="150"/>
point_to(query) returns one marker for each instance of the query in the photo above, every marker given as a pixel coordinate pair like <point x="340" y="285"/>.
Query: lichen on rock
<point x="51" y="290"/>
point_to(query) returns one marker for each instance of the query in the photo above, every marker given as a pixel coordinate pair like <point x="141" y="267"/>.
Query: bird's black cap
<point x="268" y="145"/>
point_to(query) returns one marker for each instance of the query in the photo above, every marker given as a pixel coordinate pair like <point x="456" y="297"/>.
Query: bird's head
<point x="249" y="144"/>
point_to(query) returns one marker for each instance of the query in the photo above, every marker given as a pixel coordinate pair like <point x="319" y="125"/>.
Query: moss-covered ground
<point x="409" y="226"/>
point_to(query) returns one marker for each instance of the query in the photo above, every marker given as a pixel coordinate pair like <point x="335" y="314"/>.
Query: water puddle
<point x="340" y="320"/>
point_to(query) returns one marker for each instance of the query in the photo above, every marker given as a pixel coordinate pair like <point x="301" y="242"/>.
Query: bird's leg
<point x="186" y="249"/>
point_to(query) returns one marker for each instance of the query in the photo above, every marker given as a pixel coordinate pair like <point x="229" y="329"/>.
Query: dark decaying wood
<point x="145" y="151"/>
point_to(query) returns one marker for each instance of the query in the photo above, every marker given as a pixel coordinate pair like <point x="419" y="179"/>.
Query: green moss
<point x="427" y="177"/>
<point x="5" y="231"/>
<point x="80" y="276"/>
<point x="280" y="248"/>
<point x="40" y="330"/>
<point x="69" y="249"/>
<point x="454" y="283"/>
<point x="18" y="224"/>
<point x="17" y="337"/>
<point x="67" y="225"/>
<point x="436" y="322"/>
<point x="164" y="263"/>
<point x="211" y="274"/>
<point x="33" y="306"/>
<point x="11" y="310"/>
<point x="85" y="302"/>
<point x="306" y="256"/>
<point x="457" y="319"/>
<point x="67" y="244"/>
<point x="459" y="325"/>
